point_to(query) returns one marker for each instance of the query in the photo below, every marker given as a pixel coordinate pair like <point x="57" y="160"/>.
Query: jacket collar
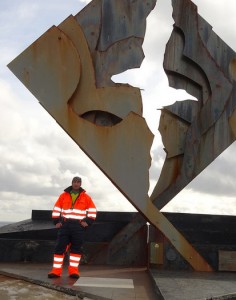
<point x="69" y="189"/>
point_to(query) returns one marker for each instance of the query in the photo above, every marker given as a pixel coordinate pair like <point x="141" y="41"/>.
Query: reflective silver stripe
<point x="57" y="208"/>
<point x="77" y="211"/>
<point x="76" y="258"/>
<point x="73" y="217"/>
<point x="92" y="209"/>
<point x="92" y="212"/>
<point x="73" y="264"/>
<point x="58" y="258"/>
<point x="58" y="266"/>
<point x="92" y="215"/>
<point x="66" y="211"/>
<point x="55" y="214"/>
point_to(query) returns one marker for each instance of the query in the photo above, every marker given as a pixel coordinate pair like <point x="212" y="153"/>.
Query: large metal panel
<point x="197" y="60"/>
<point x="112" y="148"/>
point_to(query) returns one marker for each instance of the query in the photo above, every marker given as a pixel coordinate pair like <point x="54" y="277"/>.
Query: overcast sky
<point x="38" y="159"/>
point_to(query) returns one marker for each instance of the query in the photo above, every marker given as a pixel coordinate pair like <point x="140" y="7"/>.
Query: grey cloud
<point x="219" y="178"/>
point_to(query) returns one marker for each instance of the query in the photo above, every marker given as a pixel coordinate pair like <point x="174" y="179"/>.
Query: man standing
<point x="73" y="212"/>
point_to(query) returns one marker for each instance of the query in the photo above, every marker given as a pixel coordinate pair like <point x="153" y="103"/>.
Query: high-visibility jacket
<point x="82" y="209"/>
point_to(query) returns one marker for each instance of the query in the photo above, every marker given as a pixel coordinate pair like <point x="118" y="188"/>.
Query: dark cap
<point x="76" y="178"/>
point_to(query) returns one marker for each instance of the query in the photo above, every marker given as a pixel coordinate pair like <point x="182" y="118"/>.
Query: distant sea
<point x="5" y="223"/>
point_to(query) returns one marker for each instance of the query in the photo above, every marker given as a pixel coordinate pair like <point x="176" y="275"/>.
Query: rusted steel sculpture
<point x="194" y="133"/>
<point x="69" y="69"/>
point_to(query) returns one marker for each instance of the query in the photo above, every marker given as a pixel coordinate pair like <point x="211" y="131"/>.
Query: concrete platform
<point x="96" y="282"/>
<point x="126" y="283"/>
<point x="186" y="285"/>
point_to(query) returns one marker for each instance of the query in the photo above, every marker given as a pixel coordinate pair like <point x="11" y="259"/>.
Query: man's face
<point x="76" y="184"/>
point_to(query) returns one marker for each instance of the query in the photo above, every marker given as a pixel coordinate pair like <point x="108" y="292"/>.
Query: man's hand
<point x="84" y="224"/>
<point x="58" y="225"/>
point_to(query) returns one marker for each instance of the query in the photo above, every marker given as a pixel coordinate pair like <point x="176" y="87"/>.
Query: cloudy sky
<point x="37" y="157"/>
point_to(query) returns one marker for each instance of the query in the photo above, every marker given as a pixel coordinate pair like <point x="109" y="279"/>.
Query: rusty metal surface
<point x="69" y="70"/>
<point x="180" y="243"/>
<point x="41" y="67"/>
<point x="196" y="60"/>
<point x="126" y="234"/>
<point x="106" y="122"/>
<point x="112" y="148"/>
<point x="114" y="31"/>
<point x="118" y="101"/>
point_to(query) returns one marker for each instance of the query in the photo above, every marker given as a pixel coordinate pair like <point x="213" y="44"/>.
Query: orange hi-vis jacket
<point x="83" y="208"/>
